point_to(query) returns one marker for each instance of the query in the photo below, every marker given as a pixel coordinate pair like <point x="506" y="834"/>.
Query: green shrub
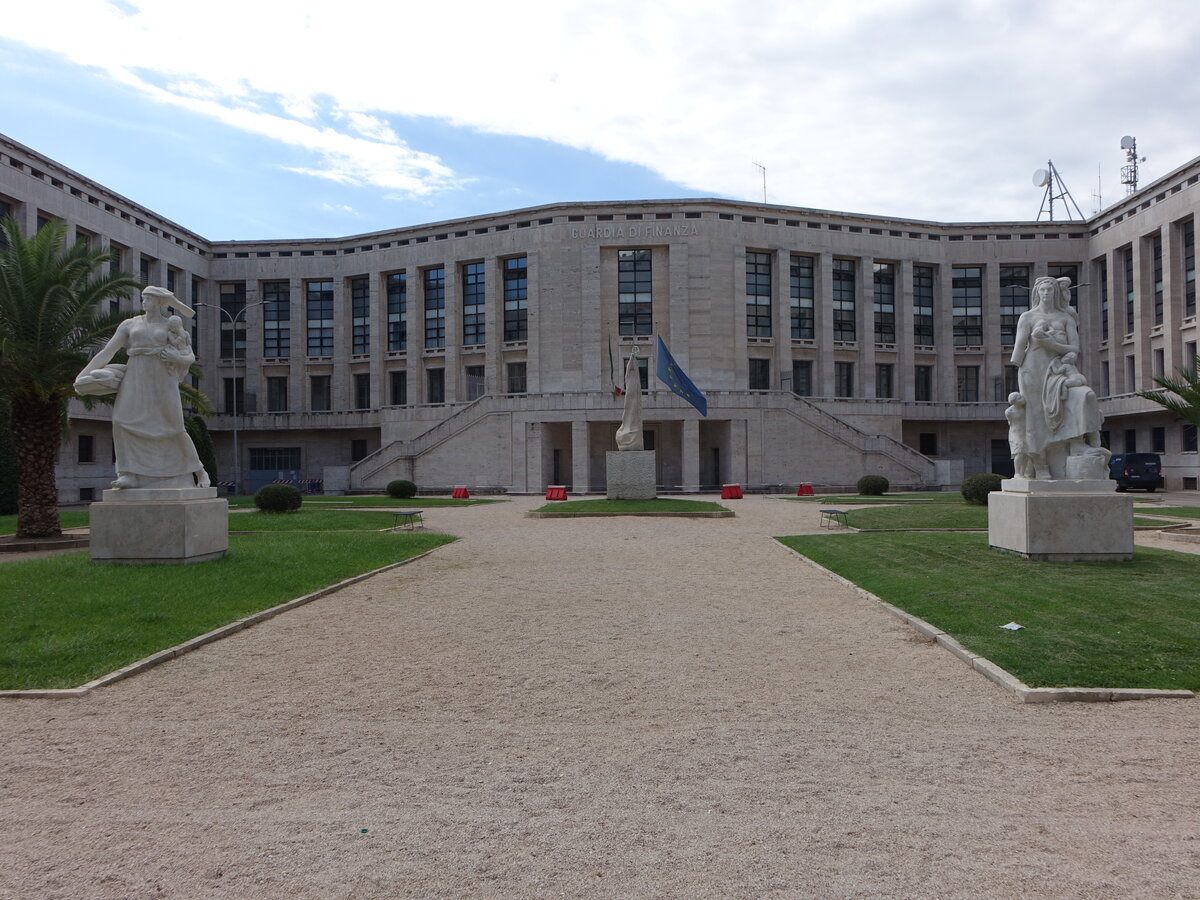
<point x="401" y="489"/>
<point x="873" y="485"/>
<point x="975" y="488"/>
<point x="198" y="431"/>
<point x="277" y="498"/>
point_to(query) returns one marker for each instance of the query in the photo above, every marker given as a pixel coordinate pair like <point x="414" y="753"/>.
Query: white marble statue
<point x="629" y="434"/>
<point x="1054" y="419"/>
<point x="152" y="448"/>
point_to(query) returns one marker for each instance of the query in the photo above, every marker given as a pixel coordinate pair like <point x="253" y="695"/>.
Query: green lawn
<point x="70" y="518"/>
<point x="933" y="515"/>
<point x="1182" y="512"/>
<point x="913" y="497"/>
<point x="1134" y="624"/>
<point x="626" y="507"/>
<point x="309" y="519"/>
<point x="328" y="502"/>
<point x="65" y="620"/>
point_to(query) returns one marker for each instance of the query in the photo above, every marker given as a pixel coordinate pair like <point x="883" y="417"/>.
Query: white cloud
<point x="925" y="108"/>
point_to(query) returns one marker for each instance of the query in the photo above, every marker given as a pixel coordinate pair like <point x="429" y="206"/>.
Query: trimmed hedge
<point x="401" y="489"/>
<point x="975" y="488"/>
<point x="873" y="485"/>
<point x="278" y="498"/>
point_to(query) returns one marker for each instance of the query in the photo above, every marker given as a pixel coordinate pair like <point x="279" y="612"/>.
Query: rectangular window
<point x="1105" y="382"/>
<point x="883" y="380"/>
<point x="968" y="384"/>
<point x="1156" y="263"/>
<point x="1158" y="440"/>
<point x="277" y="320"/>
<point x="86" y="445"/>
<point x="144" y="264"/>
<point x="275" y="459"/>
<point x="436" y="384"/>
<point x="634" y="300"/>
<point x="758" y="294"/>
<point x="360" y="315"/>
<point x="923" y="384"/>
<point x="1010" y="381"/>
<point x="319" y="307"/>
<point x="1129" y="291"/>
<point x="170" y="274"/>
<point x="196" y="300"/>
<point x="399" y="386"/>
<point x="515" y="378"/>
<point x="804" y="323"/>
<point x="321" y="396"/>
<point x="885" y="303"/>
<point x="1130" y="374"/>
<point x="1190" y="361"/>
<point x="235" y="396"/>
<point x="475" y="382"/>
<point x="927" y="443"/>
<point x="397" y="311"/>
<point x="1067" y="270"/>
<point x="1159" y="363"/>
<point x="473" y="304"/>
<point x="1131" y="440"/>
<point x="923" y="305"/>
<point x="760" y="374"/>
<point x="87" y="494"/>
<point x="1102" y="277"/>
<point x="362" y="391"/>
<point x="277" y="394"/>
<point x="643" y="371"/>
<point x="233" y="323"/>
<point x="802" y="385"/>
<point x="358" y="449"/>
<point x="1189" y="267"/>
<point x="968" y="306"/>
<point x="516" y="299"/>
<point x="1188" y="439"/>
<point x="433" y="283"/>
<point x="116" y="257"/>
<point x="843" y="379"/>
<point x="844" y="320"/>
<point x="1014" y="300"/>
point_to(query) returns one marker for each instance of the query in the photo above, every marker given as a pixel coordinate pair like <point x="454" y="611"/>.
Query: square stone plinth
<point x="144" y="532"/>
<point x="631" y="475"/>
<point x="1062" y="527"/>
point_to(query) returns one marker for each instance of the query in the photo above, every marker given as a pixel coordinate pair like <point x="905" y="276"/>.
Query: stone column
<point x="579" y="457"/>
<point x="689" y="446"/>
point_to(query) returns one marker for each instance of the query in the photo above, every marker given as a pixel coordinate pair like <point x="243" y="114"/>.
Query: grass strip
<point x="381" y="501"/>
<point x="623" y="507"/>
<point x="305" y="519"/>
<point x="67" y="518"/>
<point x="1179" y="512"/>
<point x="1106" y="625"/>
<point x="934" y="515"/>
<point x="913" y="497"/>
<point x="65" y="620"/>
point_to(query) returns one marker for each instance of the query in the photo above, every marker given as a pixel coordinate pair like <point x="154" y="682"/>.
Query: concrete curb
<point x="989" y="669"/>
<point x="196" y="643"/>
<point x="550" y="514"/>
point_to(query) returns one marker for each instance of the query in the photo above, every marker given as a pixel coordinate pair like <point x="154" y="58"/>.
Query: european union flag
<point x="674" y="378"/>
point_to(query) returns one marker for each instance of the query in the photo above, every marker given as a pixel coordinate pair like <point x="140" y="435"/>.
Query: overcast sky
<point x="293" y="118"/>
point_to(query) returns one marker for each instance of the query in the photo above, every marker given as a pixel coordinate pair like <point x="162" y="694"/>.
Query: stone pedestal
<point x="159" y="526"/>
<point x="1061" y="521"/>
<point x="631" y="475"/>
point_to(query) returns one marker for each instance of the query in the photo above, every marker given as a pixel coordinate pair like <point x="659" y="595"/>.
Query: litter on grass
<point x="1012" y="626"/>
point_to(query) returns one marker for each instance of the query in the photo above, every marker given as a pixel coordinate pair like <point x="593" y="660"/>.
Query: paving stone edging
<point x="989" y="669"/>
<point x="196" y="643"/>
<point x="568" y="514"/>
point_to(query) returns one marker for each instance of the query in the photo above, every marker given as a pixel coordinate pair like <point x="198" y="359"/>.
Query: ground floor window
<point x="362" y="391"/>
<point x="927" y="443"/>
<point x="1158" y="440"/>
<point x="843" y="379"/>
<point x="923" y="383"/>
<point x="802" y="378"/>
<point x="1189" y="439"/>
<point x="515" y="377"/>
<point x="321" y="395"/>
<point x="275" y="458"/>
<point x="883" y="380"/>
<point x="437" y="385"/>
<point x="475" y="382"/>
<point x="277" y="394"/>
<point x="87" y="448"/>
<point x="968" y="384"/>
<point x="399" y="384"/>
<point x="760" y="374"/>
<point x="358" y="449"/>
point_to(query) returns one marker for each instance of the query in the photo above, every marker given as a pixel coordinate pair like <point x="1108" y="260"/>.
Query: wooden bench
<point x="407" y="518"/>
<point x="831" y="517"/>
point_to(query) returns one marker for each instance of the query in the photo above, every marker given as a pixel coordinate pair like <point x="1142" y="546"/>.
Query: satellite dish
<point x="1128" y="143"/>
<point x="1041" y="178"/>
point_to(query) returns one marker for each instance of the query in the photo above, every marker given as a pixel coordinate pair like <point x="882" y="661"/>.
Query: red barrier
<point x="805" y="490"/>
<point x="461" y="493"/>
<point x="556" y="492"/>
<point x="731" y="492"/>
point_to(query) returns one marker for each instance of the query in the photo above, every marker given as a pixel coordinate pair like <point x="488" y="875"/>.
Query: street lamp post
<point x="233" y="318"/>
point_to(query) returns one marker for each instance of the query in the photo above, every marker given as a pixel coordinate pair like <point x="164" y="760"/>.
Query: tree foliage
<point x="1182" y="394"/>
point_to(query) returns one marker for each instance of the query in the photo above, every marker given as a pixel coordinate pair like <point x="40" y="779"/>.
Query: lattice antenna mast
<point x="1056" y="189"/>
<point x="1129" y="171"/>
<point x="763" y="169"/>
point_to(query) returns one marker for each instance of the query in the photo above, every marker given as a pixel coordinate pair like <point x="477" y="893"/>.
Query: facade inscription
<point x="634" y="230"/>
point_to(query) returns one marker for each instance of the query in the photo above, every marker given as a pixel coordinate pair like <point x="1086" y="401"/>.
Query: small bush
<point x="401" y="489"/>
<point x="873" y="485"/>
<point x="975" y="488"/>
<point x="277" y="498"/>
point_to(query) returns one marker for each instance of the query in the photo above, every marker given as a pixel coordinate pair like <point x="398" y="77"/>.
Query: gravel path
<point x="593" y="707"/>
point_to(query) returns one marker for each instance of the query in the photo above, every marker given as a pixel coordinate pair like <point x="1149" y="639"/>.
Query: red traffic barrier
<point x="556" y="492"/>
<point x="461" y="493"/>
<point x="805" y="490"/>
<point x="731" y="492"/>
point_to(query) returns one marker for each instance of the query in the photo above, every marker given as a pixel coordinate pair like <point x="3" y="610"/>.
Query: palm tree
<point x="52" y="316"/>
<point x="1186" y="390"/>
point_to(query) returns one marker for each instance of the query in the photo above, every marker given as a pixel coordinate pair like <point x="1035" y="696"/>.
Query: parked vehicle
<point x="1136" y="470"/>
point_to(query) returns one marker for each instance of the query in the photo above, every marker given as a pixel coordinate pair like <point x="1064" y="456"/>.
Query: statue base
<point x="159" y="526"/>
<point x="1061" y="521"/>
<point x="631" y="475"/>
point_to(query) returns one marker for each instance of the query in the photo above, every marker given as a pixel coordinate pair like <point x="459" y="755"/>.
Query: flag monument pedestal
<point x="631" y="475"/>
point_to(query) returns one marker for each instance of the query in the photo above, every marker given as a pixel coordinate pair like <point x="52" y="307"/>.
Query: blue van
<point x="1136" y="470"/>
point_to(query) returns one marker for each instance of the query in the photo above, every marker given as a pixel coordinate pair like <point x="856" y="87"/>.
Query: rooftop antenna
<point x="1129" y="171"/>
<point x="764" y="177"/>
<point x="1098" y="196"/>
<point x="1056" y="189"/>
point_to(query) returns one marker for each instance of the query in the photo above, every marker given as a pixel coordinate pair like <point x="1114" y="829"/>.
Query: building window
<point x="1128" y="255"/>
<point x="399" y="386"/>
<point x="1159" y="363"/>
<point x="515" y="378"/>
<point x="86" y="448"/>
<point x="923" y="383"/>
<point x="968" y="384"/>
<point x="88" y="494"/>
<point x="1189" y="267"/>
<point x="277" y="320"/>
<point x="643" y="367"/>
<point x="1014" y="300"/>
<point x="1011" y="385"/>
<point x="968" y="306"/>
<point x="516" y="299"/>
<point x="927" y="443"/>
<point x="397" y="311"/>
<point x="1131" y="440"/>
<point x="1102" y="277"/>
<point x="233" y="323"/>
<point x="802" y="385"/>
<point x="844" y="323"/>
<point x="1105" y="382"/>
<point x="1130" y="374"/>
<point x="758" y="294"/>
<point x="275" y="459"/>
<point x="1067" y="270"/>
<point x="1188" y="439"/>
<point x="116" y="257"/>
<point x="1158" y="440"/>
<point x="358" y="449"/>
<point x="436" y="384"/>
<point x="1189" y="357"/>
<point x="319" y="307"/>
<point x="843" y="379"/>
<point x="634" y="300"/>
<point x="473" y="317"/>
<point x="923" y="305"/>
<point x="760" y="374"/>
<point x="235" y="395"/>
<point x="804" y="323"/>
<point x="433" y="283"/>
<point x="321" y="396"/>
<point x="362" y="391"/>
<point x="170" y="272"/>
<point x="1156" y="262"/>
<point x="196" y="300"/>
<point x="883" y="380"/>
<point x="360" y="315"/>
<point x="885" y="303"/>
<point x="277" y="393"/>
<point x="475" y="382"/>
<point x="144" y="264"/>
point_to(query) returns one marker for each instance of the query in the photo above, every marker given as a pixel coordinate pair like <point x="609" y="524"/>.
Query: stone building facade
<point x="480" y="351"/>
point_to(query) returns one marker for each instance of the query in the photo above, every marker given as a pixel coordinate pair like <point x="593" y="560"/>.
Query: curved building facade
<point x="480" y="351"/>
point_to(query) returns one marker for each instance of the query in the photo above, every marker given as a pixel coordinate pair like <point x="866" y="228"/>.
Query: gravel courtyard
<point x="611" y="707"/>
